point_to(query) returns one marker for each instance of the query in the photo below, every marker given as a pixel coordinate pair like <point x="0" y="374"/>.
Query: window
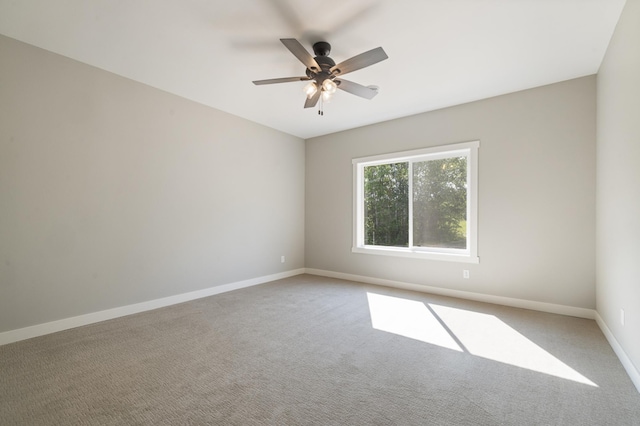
<point x="419" y="203"/>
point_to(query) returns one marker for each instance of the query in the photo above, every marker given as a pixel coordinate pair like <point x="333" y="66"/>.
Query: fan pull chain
<point x="321" y="107"/>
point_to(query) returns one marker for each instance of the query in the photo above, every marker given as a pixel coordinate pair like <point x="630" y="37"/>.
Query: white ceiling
<point x="441" y="52"/>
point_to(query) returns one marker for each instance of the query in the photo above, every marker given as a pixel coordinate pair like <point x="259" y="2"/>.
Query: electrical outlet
<point x="465" y="273"/>
<point x="622" y="316"/>
<point x="281" y="259"/>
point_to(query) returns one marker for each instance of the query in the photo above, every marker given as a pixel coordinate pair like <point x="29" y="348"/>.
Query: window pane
<point x="386" y="205"/>
<point x="440" y="203"/>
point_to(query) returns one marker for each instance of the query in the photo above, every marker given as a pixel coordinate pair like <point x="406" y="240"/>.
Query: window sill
<point x="414" y="254"/>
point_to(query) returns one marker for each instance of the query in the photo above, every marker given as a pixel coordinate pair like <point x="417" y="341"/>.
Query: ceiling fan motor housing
<point x="322" y="48"/>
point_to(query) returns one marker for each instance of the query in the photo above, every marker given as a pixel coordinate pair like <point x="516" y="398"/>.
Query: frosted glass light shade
<point x="310" y="89"/>
<point x="329" y="86"/>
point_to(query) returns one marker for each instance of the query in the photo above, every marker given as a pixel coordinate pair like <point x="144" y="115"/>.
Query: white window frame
<point x="466" y="149"/>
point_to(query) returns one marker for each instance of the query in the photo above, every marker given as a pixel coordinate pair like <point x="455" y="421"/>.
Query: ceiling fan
<point x="324" y="75"/>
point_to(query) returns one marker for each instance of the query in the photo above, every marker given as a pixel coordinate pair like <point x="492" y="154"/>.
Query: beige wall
<point x="113" y="193"/>
<point x="536" y="195"/>
<point x="618" y="191"/>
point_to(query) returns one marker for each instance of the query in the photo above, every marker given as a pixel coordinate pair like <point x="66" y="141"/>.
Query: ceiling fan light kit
<point x="310" y="89"/>
<point x="324" y="75"/>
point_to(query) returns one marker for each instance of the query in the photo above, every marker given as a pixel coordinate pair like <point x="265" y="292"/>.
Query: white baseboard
<point x="479" y="297"/>
<point x="631" y="369"/>
<point x="91" y="318"/>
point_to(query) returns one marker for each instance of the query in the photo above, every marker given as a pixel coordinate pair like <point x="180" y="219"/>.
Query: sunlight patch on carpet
<point x="479" y="334"/>
<point x="408" y="318"/>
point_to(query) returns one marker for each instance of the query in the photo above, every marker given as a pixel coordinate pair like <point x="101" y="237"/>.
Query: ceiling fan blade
<point x="301" y="53"/>
<point x="356" y="89"/>
<point x="280" y="80"/>
<point x="288" y="14"/>
<point x="349" y="18"/>
<point x="362" y="60"/>
<point x="311" y="102"/>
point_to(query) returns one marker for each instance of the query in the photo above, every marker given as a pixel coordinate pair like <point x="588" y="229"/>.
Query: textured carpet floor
<point x="304" y="350"/>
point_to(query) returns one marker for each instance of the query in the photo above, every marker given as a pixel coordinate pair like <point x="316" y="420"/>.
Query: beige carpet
<point x="311" y="350"/>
